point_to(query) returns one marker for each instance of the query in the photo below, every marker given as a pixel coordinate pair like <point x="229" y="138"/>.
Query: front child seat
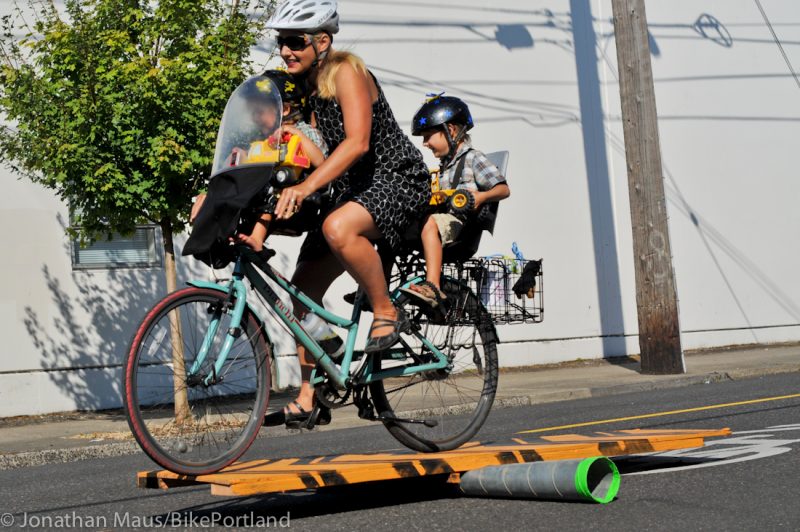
<point x="469" y="240"/>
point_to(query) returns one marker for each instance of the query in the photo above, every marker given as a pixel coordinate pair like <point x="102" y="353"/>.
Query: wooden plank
<point x="292" y="474"/>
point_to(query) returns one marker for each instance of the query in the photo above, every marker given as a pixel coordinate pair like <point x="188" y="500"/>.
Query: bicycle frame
<point x="246" y="267"/>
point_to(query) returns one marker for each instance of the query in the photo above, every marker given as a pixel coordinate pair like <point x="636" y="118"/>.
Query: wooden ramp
<point x="289" y="474"/>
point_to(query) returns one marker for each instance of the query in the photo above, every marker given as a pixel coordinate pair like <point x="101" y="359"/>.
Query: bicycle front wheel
<point x="188" y="415"/>
<point x="442" y="409"/>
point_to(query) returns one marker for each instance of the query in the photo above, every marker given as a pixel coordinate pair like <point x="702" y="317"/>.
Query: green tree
<point x="115" y="105"/>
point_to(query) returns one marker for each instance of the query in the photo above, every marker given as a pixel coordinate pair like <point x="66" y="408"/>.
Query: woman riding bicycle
<point x="380" y="181"/>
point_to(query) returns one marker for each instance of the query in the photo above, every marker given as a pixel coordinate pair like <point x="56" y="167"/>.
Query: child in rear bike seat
<point x="293" y="98"/>
<point x="443" y="122"/>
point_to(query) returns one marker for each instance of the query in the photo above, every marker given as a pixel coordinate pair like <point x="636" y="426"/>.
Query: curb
<point x="74" y="454"/>
<point x="677" y="382"/>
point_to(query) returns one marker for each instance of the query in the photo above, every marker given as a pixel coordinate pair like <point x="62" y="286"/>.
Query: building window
<point x="138" y="250"/>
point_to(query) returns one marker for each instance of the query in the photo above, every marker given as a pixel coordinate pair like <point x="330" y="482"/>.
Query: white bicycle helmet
<point x="308" y="16"/>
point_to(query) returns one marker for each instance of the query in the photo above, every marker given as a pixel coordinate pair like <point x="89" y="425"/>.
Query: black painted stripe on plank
<point x="148" y="481"/>
<point x="332" y="478"/>
<point x="436" y="466"/>
<point x="529" y="455"/>
<point x="308" y="480"/>
<point x="405" y="469"/>
<point x="507" y="458"/>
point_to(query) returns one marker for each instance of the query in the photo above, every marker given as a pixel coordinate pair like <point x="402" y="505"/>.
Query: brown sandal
<point x="426" y="292"/>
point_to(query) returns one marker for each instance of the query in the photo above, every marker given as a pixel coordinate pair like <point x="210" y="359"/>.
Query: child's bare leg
<point x="256" y="239"/>
<point x="432" y="249"/>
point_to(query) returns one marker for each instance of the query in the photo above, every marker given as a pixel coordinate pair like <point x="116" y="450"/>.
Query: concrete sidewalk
<point x="57" y="438"/>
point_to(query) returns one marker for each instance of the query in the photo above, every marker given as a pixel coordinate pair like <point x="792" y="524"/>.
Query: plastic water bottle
<point x="319" y="330"/>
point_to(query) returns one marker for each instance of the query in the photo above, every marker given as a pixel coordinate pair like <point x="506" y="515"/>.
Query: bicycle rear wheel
<point x="195" y="422"/>
<point x="458" y="399"/>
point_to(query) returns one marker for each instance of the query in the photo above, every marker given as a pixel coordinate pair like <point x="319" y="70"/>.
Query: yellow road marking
<point x="659" y="414"/>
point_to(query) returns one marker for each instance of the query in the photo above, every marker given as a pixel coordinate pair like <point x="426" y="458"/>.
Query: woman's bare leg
<point x="313" y="278"/>
<point x="349" y="231"/>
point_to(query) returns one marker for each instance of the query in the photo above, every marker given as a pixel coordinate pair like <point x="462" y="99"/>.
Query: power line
<point x="778" y="42"/>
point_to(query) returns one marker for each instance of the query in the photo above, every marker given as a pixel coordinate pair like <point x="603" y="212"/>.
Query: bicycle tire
<point x="223" y="417"/>
<point x="458" y="400"/>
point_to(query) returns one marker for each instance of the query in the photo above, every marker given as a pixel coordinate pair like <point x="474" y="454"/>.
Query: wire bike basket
<point x="511" y="290"/>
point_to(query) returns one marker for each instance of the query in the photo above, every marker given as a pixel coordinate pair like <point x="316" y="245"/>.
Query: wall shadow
<point x="715" y="243"/>
<point x="82" y="341"/>
<point x="601" y="203"/>
<point x="711" y="29"/>
<point x="718" y="245"/>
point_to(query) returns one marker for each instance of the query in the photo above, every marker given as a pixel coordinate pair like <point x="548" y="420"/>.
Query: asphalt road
<point x="745" y="482"/>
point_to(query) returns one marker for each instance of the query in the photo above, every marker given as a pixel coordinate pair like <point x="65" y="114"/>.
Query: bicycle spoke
<point x="223" y="410"/>
<point x="457" y="398"/>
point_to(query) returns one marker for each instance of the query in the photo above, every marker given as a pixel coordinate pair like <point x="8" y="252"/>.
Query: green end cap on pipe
<point x="582" y="479"/>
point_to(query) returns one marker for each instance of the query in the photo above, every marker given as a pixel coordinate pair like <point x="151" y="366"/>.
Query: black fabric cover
<point x="229" y="195"/>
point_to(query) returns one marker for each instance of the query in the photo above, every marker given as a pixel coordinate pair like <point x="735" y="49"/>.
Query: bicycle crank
<point x="330" y="396"/>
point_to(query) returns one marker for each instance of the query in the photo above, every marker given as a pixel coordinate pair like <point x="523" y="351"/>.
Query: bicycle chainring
<point x="330" y="396"/>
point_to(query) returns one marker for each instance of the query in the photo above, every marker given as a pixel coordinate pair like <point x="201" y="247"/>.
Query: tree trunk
<point x="182" y="412"/>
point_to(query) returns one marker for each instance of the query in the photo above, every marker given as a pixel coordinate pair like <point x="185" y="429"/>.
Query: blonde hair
<point x="326" y="80"/>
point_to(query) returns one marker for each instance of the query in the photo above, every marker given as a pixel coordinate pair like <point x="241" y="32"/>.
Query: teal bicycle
<point x="197" y="374"/>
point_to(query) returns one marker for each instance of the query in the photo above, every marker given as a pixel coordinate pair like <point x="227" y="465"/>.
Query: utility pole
<point x="656" y="300"/>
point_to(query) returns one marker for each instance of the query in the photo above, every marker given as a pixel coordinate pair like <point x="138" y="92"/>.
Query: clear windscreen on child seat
<point x="252" y="114"/>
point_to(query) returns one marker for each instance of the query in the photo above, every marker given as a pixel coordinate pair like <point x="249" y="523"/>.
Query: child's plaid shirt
<point x="479" y="173"/>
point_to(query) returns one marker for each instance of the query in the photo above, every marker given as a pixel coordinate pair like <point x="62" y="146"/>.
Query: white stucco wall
<point x="541" y="80"/>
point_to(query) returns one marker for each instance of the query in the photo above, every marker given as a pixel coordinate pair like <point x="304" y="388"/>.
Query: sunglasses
<point x="294" y="43"/>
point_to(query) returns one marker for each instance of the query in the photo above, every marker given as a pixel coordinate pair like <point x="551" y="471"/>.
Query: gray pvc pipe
<point x="588" y="479"/>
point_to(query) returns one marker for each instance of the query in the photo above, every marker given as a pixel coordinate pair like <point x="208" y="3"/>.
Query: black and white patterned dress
<point x="391" y="180"/>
